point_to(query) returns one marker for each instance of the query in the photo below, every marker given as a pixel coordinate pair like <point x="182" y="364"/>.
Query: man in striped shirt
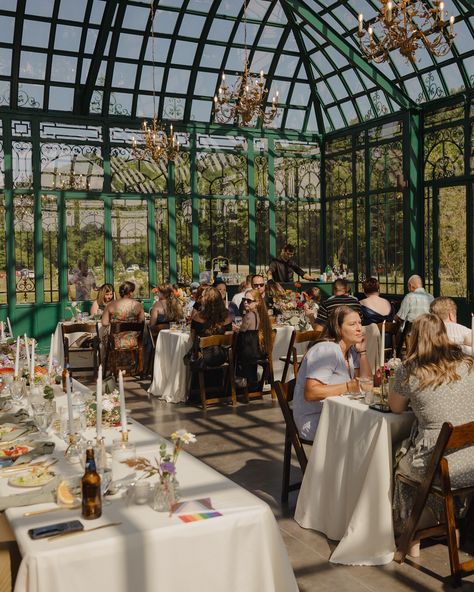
<point x="340" y="296"/>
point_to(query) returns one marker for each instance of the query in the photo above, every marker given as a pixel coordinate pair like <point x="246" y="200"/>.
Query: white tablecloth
<point x="170" y="375"/>
<point x="241" y="550"/>
<point x="347" y="487"/>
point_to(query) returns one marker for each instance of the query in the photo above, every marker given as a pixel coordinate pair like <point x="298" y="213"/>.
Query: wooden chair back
<point x="226" y="388"/>
<point x="267" y="375"/>
<point x="437" y="482"/>
<point x="391" y="329"/>
<point x="89" y="345"/>
<point x="125" y="357"/>
<point x="292" y="357"/>
<point x="293" y="439"/>
<point x="153" y="332"/>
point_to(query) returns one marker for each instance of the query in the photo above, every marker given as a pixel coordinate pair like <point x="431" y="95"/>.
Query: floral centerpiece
<point x="75" y="309"/>
<point x="110" y="409"/>
<point x="292" y="309"/>
<point x="166" y="489"/>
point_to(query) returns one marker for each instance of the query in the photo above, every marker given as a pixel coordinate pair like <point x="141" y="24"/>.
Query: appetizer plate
<point x="35" y="477"/>
<point x="11" y="431"/>
<point x="14" y="450"/>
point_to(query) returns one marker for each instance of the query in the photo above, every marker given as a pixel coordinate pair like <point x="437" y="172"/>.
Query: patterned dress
<point x="128" y="314"/>
<point x="453" y="402"/>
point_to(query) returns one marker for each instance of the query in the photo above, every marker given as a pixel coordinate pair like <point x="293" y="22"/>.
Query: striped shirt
<point x="333" y="302"/>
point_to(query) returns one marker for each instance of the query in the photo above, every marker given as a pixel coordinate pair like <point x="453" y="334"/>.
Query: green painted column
<point x="272" y="198"/>
<point x="152" y="275"/>
<point x="108" y="249"/>
<point x="252" y="208"/>
<point x="172" y="223"/>
<point x="9" y="221"/>
<point x="413" y="194"/>
<point x="38" y="229"/>
<point x="195" y="208"/>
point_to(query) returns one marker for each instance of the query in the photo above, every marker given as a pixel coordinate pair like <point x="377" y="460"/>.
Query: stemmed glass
<point x="42" y="416"/>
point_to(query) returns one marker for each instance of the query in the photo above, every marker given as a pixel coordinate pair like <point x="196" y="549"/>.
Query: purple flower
<point x="168" y="467"/>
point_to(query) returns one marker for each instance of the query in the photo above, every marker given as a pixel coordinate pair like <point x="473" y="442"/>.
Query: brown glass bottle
<point x="91" y="496"/>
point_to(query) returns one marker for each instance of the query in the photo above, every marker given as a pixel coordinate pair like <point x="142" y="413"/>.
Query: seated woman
<point x="312" y="298"/>
<point x="212" y="318"/>
<point x="125" y="309"/>
<point x="254" y="340"/>
<point x="330" y="368"/>
<point x="167" y="308"/>
<point x="273" y="293"/>
<point x="374" y="308"/>
<point x="105" y="294"/>
<point x="437" y="380"/>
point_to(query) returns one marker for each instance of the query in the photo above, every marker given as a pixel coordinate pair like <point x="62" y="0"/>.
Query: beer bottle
<point x="91" y="495"/>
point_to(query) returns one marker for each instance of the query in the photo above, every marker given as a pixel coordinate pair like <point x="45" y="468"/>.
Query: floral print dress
<point x="128" y="339"/>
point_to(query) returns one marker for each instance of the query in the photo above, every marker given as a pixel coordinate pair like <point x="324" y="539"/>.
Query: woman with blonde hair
<point x="105" y="294"/>
<point x="167" y="308"/>
<point x="437" y="380"/>
<point x="254" y="341"/>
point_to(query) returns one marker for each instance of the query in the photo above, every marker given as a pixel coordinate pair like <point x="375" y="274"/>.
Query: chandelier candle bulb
<point x="261" y="76"/>
<point x="389" y="11"/>
<point x="361" y="22"/>
<point x="451" y="25"/>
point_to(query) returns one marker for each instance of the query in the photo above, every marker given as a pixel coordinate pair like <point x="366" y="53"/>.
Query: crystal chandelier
<point x="245" y="102"/>
<point x="406" y="25"/>
<point x="158" y="145"/>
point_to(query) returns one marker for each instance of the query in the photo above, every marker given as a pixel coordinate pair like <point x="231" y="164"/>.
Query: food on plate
<point x="35" y="477"/>
<point x="14" y="450"/>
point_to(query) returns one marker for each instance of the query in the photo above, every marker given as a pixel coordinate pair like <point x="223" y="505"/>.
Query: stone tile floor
<point x="245" y="443"/>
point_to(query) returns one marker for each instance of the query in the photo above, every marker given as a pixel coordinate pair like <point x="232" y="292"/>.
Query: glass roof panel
<point x="345" y="85"/>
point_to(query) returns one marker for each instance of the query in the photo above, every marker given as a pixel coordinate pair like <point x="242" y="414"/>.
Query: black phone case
<point x="42" y="532"/>
<point x="379" y="407"/>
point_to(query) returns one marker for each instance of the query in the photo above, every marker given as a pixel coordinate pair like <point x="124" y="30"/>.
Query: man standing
<point x="281" y="269"/>
<point x="340" y="296"/>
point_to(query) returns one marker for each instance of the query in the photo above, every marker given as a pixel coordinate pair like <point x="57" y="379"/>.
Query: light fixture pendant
<point x="406" y="25"/>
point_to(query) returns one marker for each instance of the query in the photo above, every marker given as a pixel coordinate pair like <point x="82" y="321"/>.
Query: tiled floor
<point x="246" y="444"/>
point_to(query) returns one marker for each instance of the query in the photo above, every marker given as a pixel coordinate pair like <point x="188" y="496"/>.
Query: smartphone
<point x="380" y="407"/>
<point x="42" y="532"/>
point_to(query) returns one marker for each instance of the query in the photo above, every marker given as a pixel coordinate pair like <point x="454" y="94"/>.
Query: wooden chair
<point x="267" y="376"/>
<point x="88" y="342"/>
<point x="124" y="357"/>
<point x="292" y="356"/>
<point x="392" y="329"/>
<point x="437" y="482"/>
<point x="284" y="395"/>
<point x="227" y="386"/>
<point x="153" y="332"/>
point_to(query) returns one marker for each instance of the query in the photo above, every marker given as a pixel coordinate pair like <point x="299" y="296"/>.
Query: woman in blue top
<point x="330" y="368"/>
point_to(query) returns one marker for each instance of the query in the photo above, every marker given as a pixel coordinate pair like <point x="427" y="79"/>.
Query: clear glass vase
<point x="166" y="493"/>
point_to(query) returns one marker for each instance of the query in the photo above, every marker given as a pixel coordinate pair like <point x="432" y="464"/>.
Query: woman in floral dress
<point x="437" y="380"/>
<point x="125" y="309"/>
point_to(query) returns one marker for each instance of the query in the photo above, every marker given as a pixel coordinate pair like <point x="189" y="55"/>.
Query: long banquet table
<point x="347" y="487"/>
<point x="149" y="551"/>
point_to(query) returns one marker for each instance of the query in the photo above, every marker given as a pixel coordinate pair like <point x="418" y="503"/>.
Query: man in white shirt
<point x="446" y="309"/>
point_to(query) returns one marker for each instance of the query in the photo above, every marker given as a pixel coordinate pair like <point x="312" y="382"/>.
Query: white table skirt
<point x="58" y="349"/>
<point x="347" y="488"/>
<point x="241" y="550"/>
<point x="170" y="375"/>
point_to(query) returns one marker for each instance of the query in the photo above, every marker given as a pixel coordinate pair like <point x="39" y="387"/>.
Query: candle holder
<point x="73" y="452"/>
<point x="124" y="435"/>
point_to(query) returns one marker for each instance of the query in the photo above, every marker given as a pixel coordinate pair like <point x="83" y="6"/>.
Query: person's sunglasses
<point x="257" y="285"/>
<point x="249" y="300"/>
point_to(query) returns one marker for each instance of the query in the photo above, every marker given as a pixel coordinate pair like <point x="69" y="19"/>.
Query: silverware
<point x="26" y="467"/>
<point x="55" y="537"/>
<point x="38" y="512"/>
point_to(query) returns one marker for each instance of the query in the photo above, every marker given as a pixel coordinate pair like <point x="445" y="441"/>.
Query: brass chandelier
<point x="158" y="144"/>
<point x="245" y="102"/>
<point x="406" y="25"/>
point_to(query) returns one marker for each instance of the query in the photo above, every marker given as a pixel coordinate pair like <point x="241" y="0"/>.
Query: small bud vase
<point x="166" y="493"/>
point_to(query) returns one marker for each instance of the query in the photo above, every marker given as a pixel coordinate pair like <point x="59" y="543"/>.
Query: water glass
<point x="17" y="390"/>
<point x="121" y="452"/>
<point x="366" y="386"/>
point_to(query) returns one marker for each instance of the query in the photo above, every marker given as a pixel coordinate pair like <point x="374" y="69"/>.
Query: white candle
<point x="382" y="347"/>
<point x="99" y="403"/>
<point x="27" y="348"/>
<point x="69" y="404"/>
<point x="50" y="361"/>
<point x="361" y="22"/>
<point x="2" y="331"/>
<point x="123" y="413"/>
<point x="9" y="327"/>
<point x="32" y="370"/>
<point x="17" y="357"/>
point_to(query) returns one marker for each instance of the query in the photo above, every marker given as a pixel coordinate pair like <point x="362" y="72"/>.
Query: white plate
<point x="32" y="478"/>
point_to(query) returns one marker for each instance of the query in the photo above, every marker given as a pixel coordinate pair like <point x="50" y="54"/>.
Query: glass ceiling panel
<point x="104" y="41"/>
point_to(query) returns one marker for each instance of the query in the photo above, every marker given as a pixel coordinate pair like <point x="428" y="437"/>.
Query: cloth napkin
<point x="38" y="496"/>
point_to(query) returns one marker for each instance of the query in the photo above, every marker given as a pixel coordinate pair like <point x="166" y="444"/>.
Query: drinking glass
<point x="121" y="452"/>
<point x="42" y="416"/>
<point x="16" y="390"/>
<point x="366" y="386"/>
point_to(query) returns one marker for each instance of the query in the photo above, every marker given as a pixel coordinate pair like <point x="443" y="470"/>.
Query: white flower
<point x="107" y="405"/>
<point x="184" y="436"/>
